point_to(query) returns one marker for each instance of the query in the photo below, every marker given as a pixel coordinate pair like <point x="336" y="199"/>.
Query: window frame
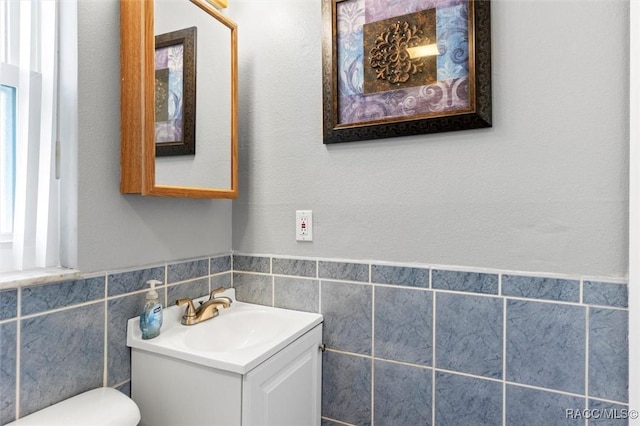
<point x="7" y="80"/>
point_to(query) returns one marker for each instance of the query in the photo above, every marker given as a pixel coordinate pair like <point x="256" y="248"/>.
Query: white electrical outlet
<point x="304" y="225"/>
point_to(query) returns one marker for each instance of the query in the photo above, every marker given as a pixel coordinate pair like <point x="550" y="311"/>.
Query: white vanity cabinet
<point x="284" y="389"/>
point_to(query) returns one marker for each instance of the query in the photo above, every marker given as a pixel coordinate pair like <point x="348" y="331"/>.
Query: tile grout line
<point x="105" y="332"/>
<point x="273" y="282"/>
<point x="117" y="385"/>
<point x="586" y="361"/>
<point x="231" y="271"/>
<point x="433" y="348"/>
<point x="209" y="279"/>
<point x="586" y="351"/>
<point x="319" y="296"/>
<point x="335" y="421"/>
<point x="273" y="291"/>
<point x="18" y="352"/>
<point x="393" y="361"/>
<point x="504" y="354"/>
<point x="373" y="334"/>
<point x="166" y="284"/>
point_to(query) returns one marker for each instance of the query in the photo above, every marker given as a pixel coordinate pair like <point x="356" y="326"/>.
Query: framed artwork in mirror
<point x="404" y="67"/>
<point x="175" y="93"/>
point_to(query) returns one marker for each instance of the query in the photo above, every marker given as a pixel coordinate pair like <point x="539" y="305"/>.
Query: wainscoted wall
<point x="58" y="340"/>
<point x="418" y="345"/>
<point x="407" y="345"/>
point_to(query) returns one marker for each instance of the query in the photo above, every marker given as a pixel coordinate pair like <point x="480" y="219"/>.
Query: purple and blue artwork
<point x="423" y="86"/>
<point x="169" y="93"/>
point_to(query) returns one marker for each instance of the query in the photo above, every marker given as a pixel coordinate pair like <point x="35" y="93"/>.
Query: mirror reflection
<point x="193" y="111"/>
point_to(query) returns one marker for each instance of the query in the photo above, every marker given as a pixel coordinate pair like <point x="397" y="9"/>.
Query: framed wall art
<point x="404" y="67"/>
<point x="175" y="93"/>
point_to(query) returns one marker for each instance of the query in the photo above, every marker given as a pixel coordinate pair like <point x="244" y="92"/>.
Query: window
<point x="28" y="101"/>
<point x="7" y="161"/>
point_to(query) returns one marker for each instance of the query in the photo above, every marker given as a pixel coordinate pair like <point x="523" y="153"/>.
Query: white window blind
<point x="29" y="201"/>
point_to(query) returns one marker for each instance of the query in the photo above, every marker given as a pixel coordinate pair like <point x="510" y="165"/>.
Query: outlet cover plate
<point x="304" y="225"/>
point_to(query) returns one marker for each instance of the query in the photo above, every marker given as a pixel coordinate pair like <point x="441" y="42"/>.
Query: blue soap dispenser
<point x="151" y="316"/>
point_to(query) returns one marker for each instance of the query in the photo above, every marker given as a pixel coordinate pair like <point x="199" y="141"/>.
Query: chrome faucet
<point x="206" y="310"/>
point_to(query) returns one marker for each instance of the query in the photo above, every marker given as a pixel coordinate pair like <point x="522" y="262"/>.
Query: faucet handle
<point x="191" y="310"/>
<point x="218" y="290"/>
<point x="226" y="300"/>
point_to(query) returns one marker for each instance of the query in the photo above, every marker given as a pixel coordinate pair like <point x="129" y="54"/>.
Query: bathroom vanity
<point x="250" y="365"/>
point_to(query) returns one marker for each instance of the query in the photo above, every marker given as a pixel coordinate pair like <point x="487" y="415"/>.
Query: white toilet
<point x="97" y="407"/>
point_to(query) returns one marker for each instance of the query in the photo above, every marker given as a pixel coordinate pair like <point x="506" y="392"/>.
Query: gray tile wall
<point x="407" y="345"/>
<point x="58" y="340"/>
<point x="416" y="345"/>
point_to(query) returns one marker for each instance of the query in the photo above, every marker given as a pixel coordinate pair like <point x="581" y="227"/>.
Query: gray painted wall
<point x="544" y="190"/>
<point x="114" y="230"/>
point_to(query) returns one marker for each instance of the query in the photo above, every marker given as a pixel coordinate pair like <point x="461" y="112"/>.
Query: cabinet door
<point x="285" y="389"/>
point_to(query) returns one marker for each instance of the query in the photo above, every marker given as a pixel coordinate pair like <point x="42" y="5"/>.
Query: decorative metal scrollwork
<point x="389" y="56"/>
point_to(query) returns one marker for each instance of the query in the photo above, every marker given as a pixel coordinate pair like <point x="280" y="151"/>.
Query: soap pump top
<point x="153" y="294"/>
<point x="151" y="316"/>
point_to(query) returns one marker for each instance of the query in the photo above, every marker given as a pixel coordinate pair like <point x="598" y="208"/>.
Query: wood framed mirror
<point x="209" y="170"/>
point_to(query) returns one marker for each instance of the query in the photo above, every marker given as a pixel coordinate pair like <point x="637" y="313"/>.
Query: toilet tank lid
<point x="99" y="407"/>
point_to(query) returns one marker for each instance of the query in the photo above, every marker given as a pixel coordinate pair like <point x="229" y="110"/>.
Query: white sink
<point x="240" y="338"/>
<point x="239" y="330"/>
